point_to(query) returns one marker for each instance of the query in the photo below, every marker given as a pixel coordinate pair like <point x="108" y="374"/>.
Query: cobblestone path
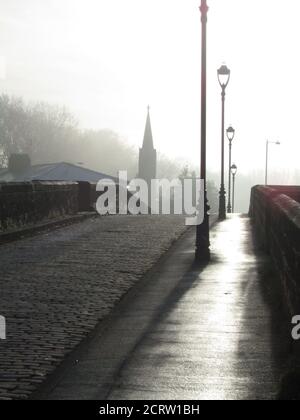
<point x="56" y="287"/>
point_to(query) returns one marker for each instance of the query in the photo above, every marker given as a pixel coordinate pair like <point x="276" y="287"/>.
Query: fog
<point x="106" y="60"/>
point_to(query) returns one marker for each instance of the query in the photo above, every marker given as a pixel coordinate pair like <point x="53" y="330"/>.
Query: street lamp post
<point x="267" y="157"/>
<point x="230" y="135"/>
<point x="233" y="171"/>
<point x="202" y="235"/>
<point x="223" y="77"/>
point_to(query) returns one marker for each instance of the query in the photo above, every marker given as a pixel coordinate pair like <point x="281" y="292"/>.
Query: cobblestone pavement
<point x="192" y="332"/>
<point x="56" y="287"/>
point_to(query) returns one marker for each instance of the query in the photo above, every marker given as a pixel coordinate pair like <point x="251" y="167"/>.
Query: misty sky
<point x="106" y="60"/>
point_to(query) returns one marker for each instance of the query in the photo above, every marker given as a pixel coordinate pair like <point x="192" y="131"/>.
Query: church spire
<point x="148" y="138"/>
<point x="147" y="157"/>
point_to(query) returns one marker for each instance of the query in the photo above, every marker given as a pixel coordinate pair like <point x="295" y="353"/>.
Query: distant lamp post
<point x="202" y="253"/>
<point x="230" y="135"/>
<point x="223" y="77"/>
<point x="277" y="143"/>
<point x="234" y="172"/>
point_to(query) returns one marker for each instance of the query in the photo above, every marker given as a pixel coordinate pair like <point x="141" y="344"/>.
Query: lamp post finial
<point x="203" y="7"/>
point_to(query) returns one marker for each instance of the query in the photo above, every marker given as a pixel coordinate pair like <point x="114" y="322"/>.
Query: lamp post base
<point x="202" y="254"/>
<point x="222" y="204"/>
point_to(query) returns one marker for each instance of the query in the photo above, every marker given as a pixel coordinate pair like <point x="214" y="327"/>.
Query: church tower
<point x="148" y="157"/>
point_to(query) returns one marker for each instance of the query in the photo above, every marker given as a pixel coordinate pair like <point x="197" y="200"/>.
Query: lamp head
<point x="223" y="76"/>
<point x="230" y="133"/>
<point x="233" y="169"/>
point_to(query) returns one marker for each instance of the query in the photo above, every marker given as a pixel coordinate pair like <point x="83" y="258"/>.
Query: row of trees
<point x="51" y="134"/>
<point x="40" y="130"/>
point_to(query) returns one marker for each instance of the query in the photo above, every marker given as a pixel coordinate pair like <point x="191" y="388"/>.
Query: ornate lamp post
<point x="230" y="135"/>
<point x="267" y="157"/>
<point x="233" y="171"/>
<point x="223" y="77"/>
<point x="202" y="235"/>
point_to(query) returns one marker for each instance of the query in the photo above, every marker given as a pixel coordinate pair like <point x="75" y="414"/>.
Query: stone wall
<point x="28" y="203"/>
<point x="276" y="216"/>
<point x="88" y="196"/>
